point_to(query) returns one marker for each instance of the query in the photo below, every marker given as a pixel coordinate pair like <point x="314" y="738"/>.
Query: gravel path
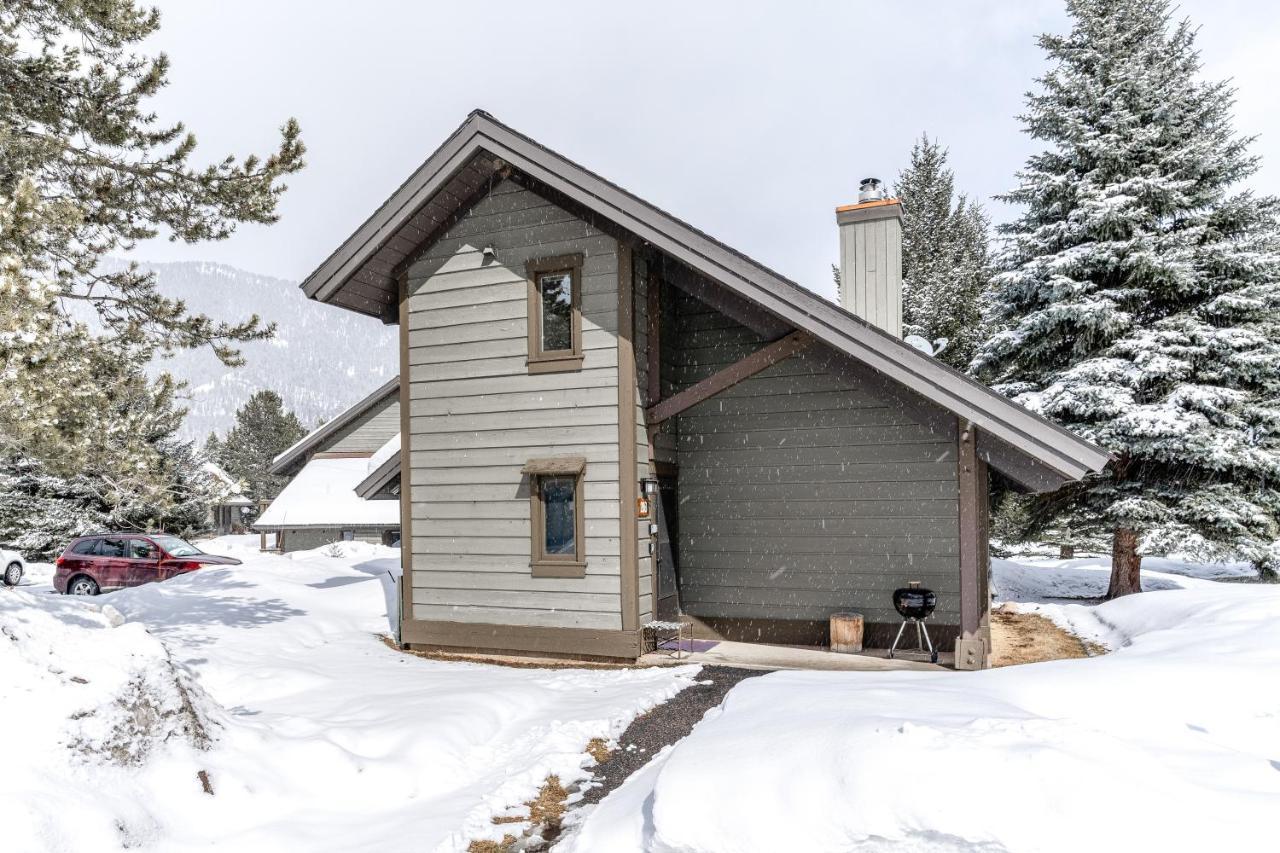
<point x="664" y="725"/>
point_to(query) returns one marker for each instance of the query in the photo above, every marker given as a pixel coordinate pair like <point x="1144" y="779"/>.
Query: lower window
<point x="557" y="522"/>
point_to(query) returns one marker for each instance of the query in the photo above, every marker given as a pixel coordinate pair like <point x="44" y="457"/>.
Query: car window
<point x="110" y="548"/>
<point x="141" y="549"/>
<point x="176" y="547"/>
<point x="84" y="546"/>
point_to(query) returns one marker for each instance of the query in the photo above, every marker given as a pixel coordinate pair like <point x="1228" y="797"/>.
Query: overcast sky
<point x="750" y="120"/>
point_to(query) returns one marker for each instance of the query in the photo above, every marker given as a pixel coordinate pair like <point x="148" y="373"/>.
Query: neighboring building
<point x="227" y="513"/>
<point x="320" y="504"/>
<point x="568" y="348"/>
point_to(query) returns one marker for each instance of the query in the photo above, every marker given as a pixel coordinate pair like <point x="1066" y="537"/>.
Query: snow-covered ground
<point x="272" y="679"/>
<point x="1171" y="742"/>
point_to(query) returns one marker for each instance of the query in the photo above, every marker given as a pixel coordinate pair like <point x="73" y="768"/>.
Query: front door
<point x="666" y="514"/>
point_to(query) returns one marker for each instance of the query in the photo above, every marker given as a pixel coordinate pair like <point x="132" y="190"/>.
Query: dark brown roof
<point x="361" y="275"/>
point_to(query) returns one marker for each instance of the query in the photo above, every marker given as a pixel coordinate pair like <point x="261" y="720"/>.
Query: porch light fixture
<point x="488" y="254"/>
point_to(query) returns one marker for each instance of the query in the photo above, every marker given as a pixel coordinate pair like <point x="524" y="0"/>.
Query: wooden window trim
<point x="554" y="361"/>
<point x="545" y="565"/>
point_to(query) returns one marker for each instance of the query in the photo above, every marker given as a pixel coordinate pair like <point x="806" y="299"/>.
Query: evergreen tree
<point x="86" y="170"/>
<point x="945" y="267"/>
<point x="263" y="430"/>
<point x="1140" y="292"/>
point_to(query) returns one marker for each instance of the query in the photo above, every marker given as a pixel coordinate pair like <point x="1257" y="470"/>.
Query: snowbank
<point x="87" y="699"/>
<point x="1169" y="743"/>
<point x="323" y="738"/>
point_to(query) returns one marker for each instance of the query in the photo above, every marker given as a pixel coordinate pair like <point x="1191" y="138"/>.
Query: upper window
<point x="110" y="548"/>
<point x="556" y="517"/>
<point x="555" y="313"/>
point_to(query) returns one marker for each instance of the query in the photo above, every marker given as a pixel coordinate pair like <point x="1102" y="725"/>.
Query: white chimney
<point x="871" y="257"/>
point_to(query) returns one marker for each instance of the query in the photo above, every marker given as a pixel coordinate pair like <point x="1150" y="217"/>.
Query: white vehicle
<point x="12" y="566"/>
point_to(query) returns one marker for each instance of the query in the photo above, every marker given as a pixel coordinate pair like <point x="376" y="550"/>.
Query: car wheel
<point x="82" y="585"/>
<point x="12" y="573"/>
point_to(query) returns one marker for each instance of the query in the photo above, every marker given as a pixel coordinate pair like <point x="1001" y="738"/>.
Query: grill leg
<point x="894" y="647"/>
<point x="933" y="653"/>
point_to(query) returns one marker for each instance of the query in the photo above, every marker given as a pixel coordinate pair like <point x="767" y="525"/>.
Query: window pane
<point x="141" y="549"/>
<point x="557" y="311"/>
<point x="111" y="548"/>
<point x="85" y="547"/>
<point x="557" y="509"/>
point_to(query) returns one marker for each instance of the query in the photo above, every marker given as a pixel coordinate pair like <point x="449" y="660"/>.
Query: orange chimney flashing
<point x="880" y="202"/>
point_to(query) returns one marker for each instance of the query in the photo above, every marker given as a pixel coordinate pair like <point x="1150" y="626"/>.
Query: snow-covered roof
<point x="384" y="466"/>
<point x="323" y="494"/>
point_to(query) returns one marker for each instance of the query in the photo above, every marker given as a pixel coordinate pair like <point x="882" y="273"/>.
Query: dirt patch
<point x="507" y="842"/>
<point x="1028" y="638"/>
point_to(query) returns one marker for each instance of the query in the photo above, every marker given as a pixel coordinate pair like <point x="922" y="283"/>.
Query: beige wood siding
<point x="367" y="433"/>
<point x="802" y="492"/>
<point x="476" y="415"/>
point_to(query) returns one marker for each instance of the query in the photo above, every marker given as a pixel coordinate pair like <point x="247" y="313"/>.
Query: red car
<point x="106" y="561"/>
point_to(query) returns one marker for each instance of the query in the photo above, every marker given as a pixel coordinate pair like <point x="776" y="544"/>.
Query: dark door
<point x="666" y="511"/>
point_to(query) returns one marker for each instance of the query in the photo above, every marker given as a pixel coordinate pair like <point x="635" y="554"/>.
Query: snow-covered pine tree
<point x="263" y="430"/>
<point x="945" y="267"/>
<point x="1140" y="292"/>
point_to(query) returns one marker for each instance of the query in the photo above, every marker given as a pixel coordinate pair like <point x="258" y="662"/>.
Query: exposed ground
<point x="1028" y="638"/>
<point x="662" y="726"/>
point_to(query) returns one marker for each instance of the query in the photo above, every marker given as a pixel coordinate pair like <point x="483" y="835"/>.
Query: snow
<point x="323" y="495"/>
<point x="385" y="452"/>
<point x="1171" y="742"/>
<point x="1039" y="580"/>
<point x="321" y="737"/>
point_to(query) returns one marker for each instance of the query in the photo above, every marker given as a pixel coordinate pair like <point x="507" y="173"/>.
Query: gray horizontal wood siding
<point x="370" y="431"/>
<point x="477" y="415"/>
<point x="802" y="490"/>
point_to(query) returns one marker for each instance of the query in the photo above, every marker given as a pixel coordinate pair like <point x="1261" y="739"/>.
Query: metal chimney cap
<point x="871" y="189"/>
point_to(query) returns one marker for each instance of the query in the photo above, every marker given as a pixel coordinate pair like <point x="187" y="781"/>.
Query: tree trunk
<point x="1126" y="564"/>
<point x="1066" y="552"/>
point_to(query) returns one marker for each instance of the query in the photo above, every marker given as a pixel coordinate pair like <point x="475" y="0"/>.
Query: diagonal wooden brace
<point x="727" y="377"/>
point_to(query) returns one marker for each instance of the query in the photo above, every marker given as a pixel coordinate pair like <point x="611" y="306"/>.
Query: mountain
<point x="321" y="360"/>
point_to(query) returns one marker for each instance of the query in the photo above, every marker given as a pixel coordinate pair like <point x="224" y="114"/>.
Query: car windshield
<point x="175" y="547"/>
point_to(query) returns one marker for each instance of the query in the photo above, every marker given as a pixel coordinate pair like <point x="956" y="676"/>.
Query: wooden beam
<point x="970" y="529"/>
<point x="628" y="546"/>
<point x="653" y="316"/>
<point x="728" y="377"/>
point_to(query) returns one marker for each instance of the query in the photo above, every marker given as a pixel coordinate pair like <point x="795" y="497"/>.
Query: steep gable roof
<point x="362" y="275"/>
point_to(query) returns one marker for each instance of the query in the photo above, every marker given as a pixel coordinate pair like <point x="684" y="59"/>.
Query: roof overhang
<point x="379" y="482"/>
<point x="365" y="269"/>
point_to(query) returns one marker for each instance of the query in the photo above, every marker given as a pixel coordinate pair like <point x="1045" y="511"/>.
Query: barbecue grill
<point x="915" y="604"/>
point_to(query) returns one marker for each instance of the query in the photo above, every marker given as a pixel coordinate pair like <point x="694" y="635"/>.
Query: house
<point x="230" y="505"/>
<point x="612" y="417"/>
<point x="321" y="504"/>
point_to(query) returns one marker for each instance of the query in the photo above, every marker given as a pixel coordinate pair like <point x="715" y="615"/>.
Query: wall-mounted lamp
<point x="644" y="503"/>
<point x="488" y="255"/>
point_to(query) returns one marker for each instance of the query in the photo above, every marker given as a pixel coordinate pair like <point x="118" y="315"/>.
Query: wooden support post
<point x="728" y="377"/>
<point x="628" y="484"/>
<point x="972" y="650"/>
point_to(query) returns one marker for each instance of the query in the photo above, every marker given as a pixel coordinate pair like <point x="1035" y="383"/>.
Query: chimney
<point x="871" y="257"/>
